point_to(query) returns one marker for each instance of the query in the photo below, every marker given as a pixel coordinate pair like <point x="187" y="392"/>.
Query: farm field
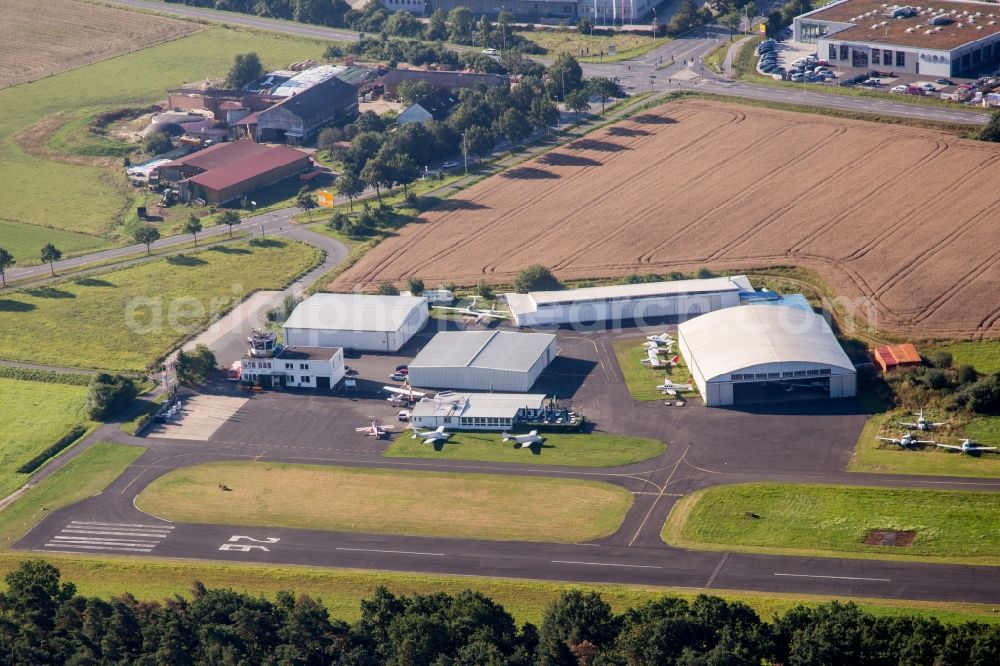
<point x="42" y="38"/>
<point x="25" y="241"/>
<point x="870" y="207"/>
<point x="472" y="506"/>
<point x="125" y="319"/>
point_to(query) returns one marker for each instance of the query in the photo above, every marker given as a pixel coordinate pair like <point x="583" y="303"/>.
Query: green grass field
<point x="128" y="318"/>
<point x="984" y="355"/>
<point x="33" y="416"/>
<point x="583" y="46"/>
<point x="580" y="450"/>
<point x="872" y="455"/>
<point x="92" y="199"/>
<point x="473" y="506"/>
<point x="832" y="521"/>
<point x="642" y="380"/>
<point x="25" y="241"/>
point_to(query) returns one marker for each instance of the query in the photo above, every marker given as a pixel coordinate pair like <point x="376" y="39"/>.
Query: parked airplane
<point x="967" y="446"/>
<point x="402" y="394"/>
<point x="375" y="430"/>
<point x="652" y="359"/>
<point x="524" y="441"/>
<point x="431" y="436"/>
<point x="661" y="339"/>
<point x="922" y="423"/>
<point x="906" y="441"/>
<point x="482" y="316"/>
<point x="671" y="388"/>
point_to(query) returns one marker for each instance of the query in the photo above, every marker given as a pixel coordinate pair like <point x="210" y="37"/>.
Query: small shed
<point x="890" y="357"/>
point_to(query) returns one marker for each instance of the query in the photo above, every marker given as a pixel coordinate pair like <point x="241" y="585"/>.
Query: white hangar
<point x="356" y="321"/>
<point x="733" y="352"/>
<point x="621" y="302"/>
<point x="483" y="360"/>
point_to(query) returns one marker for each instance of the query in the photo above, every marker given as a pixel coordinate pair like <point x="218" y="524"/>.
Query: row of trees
<point x="43" y="620"/>
<point x="49" y="255"/>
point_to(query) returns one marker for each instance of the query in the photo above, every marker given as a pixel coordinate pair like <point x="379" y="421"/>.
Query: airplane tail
<point x="506" y="437"/>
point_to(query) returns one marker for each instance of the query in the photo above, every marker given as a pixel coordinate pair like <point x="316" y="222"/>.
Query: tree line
<point x="44" y="620"/>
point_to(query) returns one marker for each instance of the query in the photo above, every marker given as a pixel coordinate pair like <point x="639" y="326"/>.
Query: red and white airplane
<point x="653" y="360"/>
<point x="403" y="394"/>
<point x="375" y="430"/>
<point x="671" y="388"/>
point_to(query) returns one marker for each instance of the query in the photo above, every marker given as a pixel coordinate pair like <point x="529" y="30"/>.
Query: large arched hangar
<point x="735" y="352"/>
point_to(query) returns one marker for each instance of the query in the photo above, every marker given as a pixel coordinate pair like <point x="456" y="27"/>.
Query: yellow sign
<point x="325" y="198"/>
<point x="763" y="28"/>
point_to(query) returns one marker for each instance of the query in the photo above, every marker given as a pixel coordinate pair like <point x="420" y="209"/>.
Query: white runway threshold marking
<point x="396" y="552"/>
<point x="793" y="575"/>
<point x="121" y="537"/>
<point x="609" y="564"/>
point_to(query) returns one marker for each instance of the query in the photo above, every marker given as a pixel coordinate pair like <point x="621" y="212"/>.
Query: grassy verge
<point x="873" y="455"/>
<point x="717" y="55"/>
<point x="147" y="407"/>
<point x="127" y="319"/>
<point x="390" y="502"/>
<point x="983" y="355"/>
<point x="591" y="450"/>
<point x="34" y="415"/>
<point x="642" y="380"/>
<point x="587" y="48"/>
<point x="833" y="521"/>
<point x="25" y="241"/>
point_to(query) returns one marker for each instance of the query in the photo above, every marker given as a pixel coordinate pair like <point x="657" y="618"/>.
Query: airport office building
<point x="944" y="39"/>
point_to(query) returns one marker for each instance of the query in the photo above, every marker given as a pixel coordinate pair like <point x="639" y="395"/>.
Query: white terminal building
<point x="622" y="302"/>
<point x="295" y="367"/>
<point x="477" y="411"/>
<point x="734" y="353"/>
<point x="356" y="321"/>
<point x="482" y="360"/>
<point x="939" y="40"/>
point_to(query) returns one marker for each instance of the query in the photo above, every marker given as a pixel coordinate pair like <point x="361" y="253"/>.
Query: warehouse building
<point x="294" y="367"/>
<point x="477" y="411"/>
<point x="946" y="39"/>
<point x="624" y="302"/>
<point x="356" y="321"/>
<point x="749" y="353"/>
<point x="300" y="116"/>
<point x="483" y="360"/>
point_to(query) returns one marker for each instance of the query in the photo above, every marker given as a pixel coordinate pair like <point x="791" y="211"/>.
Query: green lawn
<point x="92" y="199"/>
<point x="475" y="506"/>
<point x="643" y="380"/>
<point x="581" y="450"/>
<point x="25" y="241"/>
<point x="126" y="319"/>
<point x="583" y="46"/>
<point x="833" y="521"/>
<point x="33" y="416"/>
<point x="872" y="455"/>
<point x="984" y="355"/>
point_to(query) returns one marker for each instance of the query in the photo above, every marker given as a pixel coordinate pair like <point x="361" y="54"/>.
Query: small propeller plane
<point x="402" y="394"/>
<point x="661" y="339"/>
<point x="652" y="359"/>
<point x="375" y="430"/>
<point x="906" y="441"/>
<point x="431" y="436"/>
<point x="482" y="316"/>
<point x="967" y="446"/>
<point x="524" y="441"/>
<point x="922" y="423"/>
<point x="671" y="388"/>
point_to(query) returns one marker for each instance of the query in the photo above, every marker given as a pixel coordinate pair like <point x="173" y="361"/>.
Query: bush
<point x="536" y="278"/>
<point x="484" y="290"/>
<point x="75" y="433"/>
<point x="966" y="374"/>
<point x="47" y="376"/>
<point x="108" y="395"/>
<point x="157" y="143"/>
<point x="194" y="367"/>
<point x="704" y="273"/>
<point x="284" y="311"/>
<point x="938" y="359"/>
<point x="386" y="288"/>
<point x="415" y="285"/>
<point x="982" y="397"/>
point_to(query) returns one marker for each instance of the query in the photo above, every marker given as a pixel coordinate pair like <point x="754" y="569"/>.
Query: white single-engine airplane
<point x="375" y="430"/>
<point x="922" y="423"/>
<point x="661" y="339"/>
<point x="671" y="388"/>
<point x="907" y="440"/>
<point x="524" y="441"/>
<point x="482" y="316"/>
<point x="400" y="394"/>
<point x="431" y="436"/>
<point x="967" y="446"/>
<point x="652" y="359"/>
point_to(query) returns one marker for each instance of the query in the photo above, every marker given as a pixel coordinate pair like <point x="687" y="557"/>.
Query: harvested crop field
<point x="901" y="222"/>
<point x="42" y="37"/>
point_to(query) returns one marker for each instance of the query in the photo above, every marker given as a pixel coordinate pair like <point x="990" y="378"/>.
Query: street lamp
<point x="465" y="153"/>
<point x="654" y="23"/>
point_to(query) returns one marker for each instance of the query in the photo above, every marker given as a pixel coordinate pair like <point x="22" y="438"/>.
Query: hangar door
<point x="746" y="393"/>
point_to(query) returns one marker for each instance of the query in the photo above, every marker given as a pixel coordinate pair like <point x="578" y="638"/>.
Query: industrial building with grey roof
<point x="483" y="360"/>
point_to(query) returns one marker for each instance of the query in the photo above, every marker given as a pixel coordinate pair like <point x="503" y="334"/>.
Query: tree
<point x="6" y="261"/>
<point x="350" y="185"/>
<point x="404" y="171"/>
<point x="484" y="290"/>
<point x="193" y="227"/>
<point x="50" y="255"/>
<point x="605" y="89"/>
<point x="992" y="130"/>
<point x="386" y="288"/>
<point x="230" y="218"/>
<point x="479" y="141"/>
<point x="536" y="278"/>
<point x="411" y="91"/>
<point x="376" y="173"/>
<point x="514" y="126"/>
<point x="578" y="101"/>
<point x="246" y="68"/>
<point x="563" y="77"/>
<point x="415" y="285"/>
<point x="157" y="143"/>
<point x="146" y="234"/>
<point x="402" y="24"/>
<point x="339" y="221"/>
<point x="460" y="23"/>
<point x="437" y="26"/>
<point x="584" y="25"/>
<point x="196" y="366"/>
<point x="575" y="619"/>
<point x="109" y="394"/>
<point x="306" y="202"/>
<point x="328" y="139"/>
<point x="543" y="114"/>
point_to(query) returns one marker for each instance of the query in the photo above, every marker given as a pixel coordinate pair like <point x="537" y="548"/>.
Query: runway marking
<point x="151" y="527"/>
<point x="608" y="564"/>
<point x="68" y="530"/>
<point x="663" y="489"/>
<point x="397" y="552"/>
<point x="793" y="575"/>
<point x="646" y="492"/>
<point x="78" y="546"/>
<point x="124" y="537"/>
<point x="718" y="568"/>
<point x="106" y="542"/>
<point x="122" y="491"/>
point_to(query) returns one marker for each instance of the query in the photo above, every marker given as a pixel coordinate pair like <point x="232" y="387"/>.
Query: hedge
<point x="74" y="434"/>
<point x="47" y="376"/>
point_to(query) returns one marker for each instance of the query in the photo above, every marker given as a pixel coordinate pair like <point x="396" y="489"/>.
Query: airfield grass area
<point x="642" y="380"/>
<point x="33" y="416"/>
<point x="128" y="318"/>
<point x="983" y="355"/>
<point x="587" y="48"/>
<point x="834" y="521"/>
<point x="92" y="199"/>
<point x="25" y="241"/>
<point x="873" y="455"/>
<point x="577" y="450"/>
<point x="472" y="506"/>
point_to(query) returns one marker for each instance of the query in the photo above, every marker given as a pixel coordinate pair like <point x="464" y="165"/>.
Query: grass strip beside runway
<point x="474" y="506"/>
<point x="577" y="450"/>
<point x="835" y="521"/>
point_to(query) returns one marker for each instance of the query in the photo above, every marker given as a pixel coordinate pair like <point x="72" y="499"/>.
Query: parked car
<point x="797" y="77"/>
<point x="945" y="82"/>
<point x="349" y="371"/>
<point x="873" y="82"/>
<point x="401" y="368"/>
<point x="899" y="89"/>
<point x="404" y="415"/>
<point x="397" y="377"/>
<point x="489" y="52"/>
<point x="929" y="87"/>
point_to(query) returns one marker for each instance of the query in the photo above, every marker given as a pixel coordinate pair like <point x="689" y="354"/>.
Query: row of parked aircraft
<point x="439" y="434"/>
<point x="481" y="316"/>
<point x="909" y="440"/>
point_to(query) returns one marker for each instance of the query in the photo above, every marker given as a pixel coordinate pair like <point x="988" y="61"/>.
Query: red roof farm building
<point x="896" y="356"/>
<point x="229" y="171"/>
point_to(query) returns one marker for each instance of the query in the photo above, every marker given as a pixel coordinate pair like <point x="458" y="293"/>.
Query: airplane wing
<point x="402" y="391"/>
<point x="362" y="429"/>
<point x="925" y="441"/>
<point x="387" y="427"/>
<point x="908" y="425"/>
<point x="984" y="448"/>
<point x="936" y="425"/>
<point x="887" y="439"/>
<point x="430" y="440"/>
<point x="949" y="446"/>
<point x="670" y="392"/>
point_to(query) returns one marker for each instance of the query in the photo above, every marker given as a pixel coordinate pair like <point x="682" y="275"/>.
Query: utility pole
<point x="654" y="24"/>
<point x="465" y="153"/>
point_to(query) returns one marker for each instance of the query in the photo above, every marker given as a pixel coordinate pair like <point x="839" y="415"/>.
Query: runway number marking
<point x="248" y="547"/>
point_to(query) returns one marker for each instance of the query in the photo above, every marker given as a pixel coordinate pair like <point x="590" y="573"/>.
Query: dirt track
<point x="901" y="217"/>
